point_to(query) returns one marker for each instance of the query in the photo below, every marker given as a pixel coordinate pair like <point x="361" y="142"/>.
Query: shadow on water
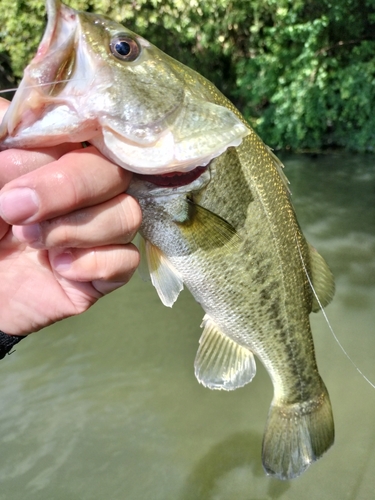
<point x="228" y="470"/>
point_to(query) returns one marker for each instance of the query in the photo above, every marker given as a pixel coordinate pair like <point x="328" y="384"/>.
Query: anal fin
<point x="220" y="362"/>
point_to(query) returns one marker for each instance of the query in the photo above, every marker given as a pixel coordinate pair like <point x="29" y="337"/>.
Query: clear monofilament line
<point x="327" y="320"/>
<point x="40" y="85"/>
<point x="8" y="90"/>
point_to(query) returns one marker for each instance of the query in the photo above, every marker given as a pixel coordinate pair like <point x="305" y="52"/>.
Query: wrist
<point x="7" y="342"/>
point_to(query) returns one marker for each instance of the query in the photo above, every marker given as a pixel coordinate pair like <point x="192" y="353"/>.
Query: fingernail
<point x="18" y="205"/>
<point x="105" y="287"/>
<point x="28" y="234"/>
<point x="62" y="262"/>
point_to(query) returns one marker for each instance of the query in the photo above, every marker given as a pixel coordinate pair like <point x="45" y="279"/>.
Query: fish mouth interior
<point x="173" y="179"/>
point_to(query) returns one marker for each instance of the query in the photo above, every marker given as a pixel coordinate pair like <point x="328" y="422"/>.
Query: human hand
<point x="65" y="231"/>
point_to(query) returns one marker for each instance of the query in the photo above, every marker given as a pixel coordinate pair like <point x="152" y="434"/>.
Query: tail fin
<point x="297" y="435"/>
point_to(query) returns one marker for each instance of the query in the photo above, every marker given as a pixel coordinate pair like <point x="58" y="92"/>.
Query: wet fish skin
<point x="252" y="285"/>
<point x="230" y="236"/>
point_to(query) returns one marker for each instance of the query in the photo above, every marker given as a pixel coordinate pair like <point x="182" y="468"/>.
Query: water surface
<point x="106" y="406"/>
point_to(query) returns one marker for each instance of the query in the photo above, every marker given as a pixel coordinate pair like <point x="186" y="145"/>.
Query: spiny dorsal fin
<point x="280" y="168"/>
<point x="322" y="280"/>
<point x="220" y="362"/>
<point x="165" y="278"/>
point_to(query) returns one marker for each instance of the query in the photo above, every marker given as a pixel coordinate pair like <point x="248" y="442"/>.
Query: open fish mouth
<point x="173" y="179"/>
<point x="147" y="115"/>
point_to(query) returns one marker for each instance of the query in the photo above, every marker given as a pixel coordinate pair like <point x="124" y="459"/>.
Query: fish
<point x="217" y="212"/>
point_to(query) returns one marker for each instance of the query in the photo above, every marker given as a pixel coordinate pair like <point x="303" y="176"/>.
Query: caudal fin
<point x="297" y="435"/>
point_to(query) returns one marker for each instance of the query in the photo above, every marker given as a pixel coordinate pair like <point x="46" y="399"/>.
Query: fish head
<point x="94" y="80"/>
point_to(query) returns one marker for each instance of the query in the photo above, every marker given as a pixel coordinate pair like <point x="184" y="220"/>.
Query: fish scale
<point x="254" y="290"/>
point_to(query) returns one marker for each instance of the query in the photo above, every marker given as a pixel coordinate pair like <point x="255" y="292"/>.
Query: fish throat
<point x="173" y="179"/>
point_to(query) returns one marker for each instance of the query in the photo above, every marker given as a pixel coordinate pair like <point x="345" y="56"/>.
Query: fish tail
<point x="297" y="435"/>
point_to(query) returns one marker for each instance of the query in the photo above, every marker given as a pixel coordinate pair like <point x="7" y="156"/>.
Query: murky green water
<point x="106" y="406"/>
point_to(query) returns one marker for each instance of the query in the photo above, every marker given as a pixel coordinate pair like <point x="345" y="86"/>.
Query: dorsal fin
<point x="220" y="362"/>
<point x="165" y="278"/>
<point x="280" y="168"/>
<point x="322" y="280"/>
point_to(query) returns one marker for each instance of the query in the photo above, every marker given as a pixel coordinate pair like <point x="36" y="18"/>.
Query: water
<point x="106" y="406"/>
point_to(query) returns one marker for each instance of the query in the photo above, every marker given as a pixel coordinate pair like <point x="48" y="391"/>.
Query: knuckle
<point x="65" y="187"/>
<point x="130" y="217"/>
<point x="118" y="263"/>
<point x="62" y="231"/>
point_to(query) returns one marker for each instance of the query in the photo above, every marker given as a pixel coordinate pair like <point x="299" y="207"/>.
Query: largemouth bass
<point x="217" y="215"/>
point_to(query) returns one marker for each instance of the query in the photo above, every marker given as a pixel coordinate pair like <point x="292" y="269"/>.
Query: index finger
<point x="17" y="162"/>
<point x="79" y="179"/>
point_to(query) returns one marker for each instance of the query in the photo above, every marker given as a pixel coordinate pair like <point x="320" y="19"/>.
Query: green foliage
<point x="312" y="77"/>
<point x="302" y="72"/>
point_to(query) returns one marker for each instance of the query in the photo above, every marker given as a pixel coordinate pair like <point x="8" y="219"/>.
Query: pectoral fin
<point x="220" y="362"/>
<point x="206" y="230"/>
<point x="143" y="266"/>
<point x="165" y="278"/>
<point x="322" y="280"/>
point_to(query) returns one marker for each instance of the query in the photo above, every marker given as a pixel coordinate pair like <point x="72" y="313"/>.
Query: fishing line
<point x="327" y="320"/>
<point x="8" y="90"/>
<point x="40" y="85"/>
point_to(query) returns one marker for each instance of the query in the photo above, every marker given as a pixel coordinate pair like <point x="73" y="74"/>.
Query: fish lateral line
<point x="334" y="335"/>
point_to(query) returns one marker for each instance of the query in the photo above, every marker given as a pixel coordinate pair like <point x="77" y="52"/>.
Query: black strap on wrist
<point x="7" y="342"/>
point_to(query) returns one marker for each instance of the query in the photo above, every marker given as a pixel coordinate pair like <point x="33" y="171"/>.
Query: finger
<point x="18" y="162"/>
<point x="78" y="179"/>
<point x="4" y="228"/>
<point x="107" y="268"/>
<point x="113" y="222"/>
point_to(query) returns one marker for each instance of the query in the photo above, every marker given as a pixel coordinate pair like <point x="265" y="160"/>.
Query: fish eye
<point x="124" y="47"/>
